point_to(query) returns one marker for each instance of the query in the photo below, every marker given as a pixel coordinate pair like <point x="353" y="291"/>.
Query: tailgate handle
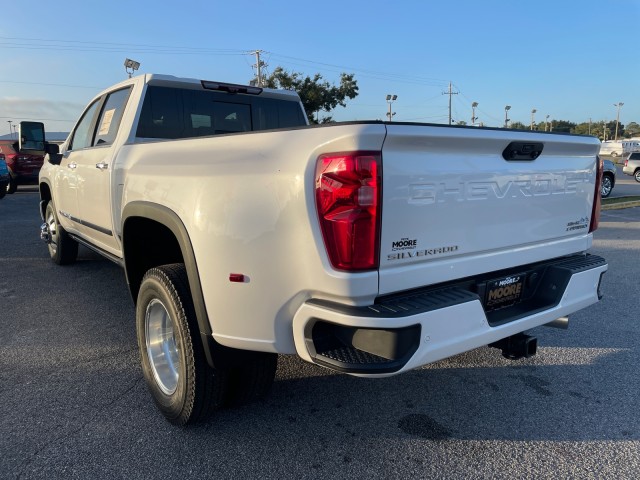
<point x="522" y="151"/>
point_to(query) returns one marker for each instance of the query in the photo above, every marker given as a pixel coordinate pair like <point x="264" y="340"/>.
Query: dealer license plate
<point x="504" y="291"/>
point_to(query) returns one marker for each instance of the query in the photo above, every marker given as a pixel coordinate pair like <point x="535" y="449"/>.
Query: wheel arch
<point x="142" y="221"/>
<point x="45" y="196"/>
<point x="145" y="224"/>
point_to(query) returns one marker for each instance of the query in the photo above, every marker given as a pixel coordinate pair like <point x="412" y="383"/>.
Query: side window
<point x="111" y="115"/>
<point x="83" y="133"/>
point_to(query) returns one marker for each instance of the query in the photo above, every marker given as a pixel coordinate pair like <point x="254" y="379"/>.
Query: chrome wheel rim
<point x="162" y="349"/>
<point x="606" y="186"/>
<point x="53" y="232"/>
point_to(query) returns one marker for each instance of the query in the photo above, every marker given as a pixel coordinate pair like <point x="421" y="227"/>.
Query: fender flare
<point x="170" y="219"/>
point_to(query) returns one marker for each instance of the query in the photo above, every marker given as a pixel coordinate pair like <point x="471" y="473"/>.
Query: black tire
<point x="12" y="186"/>
<point x="3" y="189"/>
<point x="636" y="175"/>
<point x="196" y="389"/>
<point x="63" y="249"/>
<point x="607" y="186"/>
<point x="253" y="380"/>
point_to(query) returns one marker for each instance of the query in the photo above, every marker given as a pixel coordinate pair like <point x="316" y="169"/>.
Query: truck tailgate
<point x="454" y="207"/>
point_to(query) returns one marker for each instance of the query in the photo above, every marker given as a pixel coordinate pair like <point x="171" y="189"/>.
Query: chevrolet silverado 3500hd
<point x="370" y="248"/>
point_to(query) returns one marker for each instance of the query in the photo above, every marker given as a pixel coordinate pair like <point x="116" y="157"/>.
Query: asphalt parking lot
<point x="74" y="405"/>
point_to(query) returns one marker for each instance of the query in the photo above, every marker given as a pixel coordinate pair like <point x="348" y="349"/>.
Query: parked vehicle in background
<point x="608" y="178"/>
<point x="23" y="168"/>
<point x="632" y="165"/>
<point x="611" y="148"/>
<point x="631" y="145"/>
<point x="4" y="176"/>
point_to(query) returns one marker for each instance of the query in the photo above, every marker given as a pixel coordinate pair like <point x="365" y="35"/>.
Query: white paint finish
<point x="457" y="329"/>
<point x="465" y="210"/>
<point x="248" y="204"/>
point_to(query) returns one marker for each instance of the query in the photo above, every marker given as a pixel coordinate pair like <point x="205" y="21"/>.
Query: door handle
<point x="102" y="165"/>
<point x="72" y="165"/>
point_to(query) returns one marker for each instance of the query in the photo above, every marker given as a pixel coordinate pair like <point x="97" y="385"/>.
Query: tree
<point x="316" y="94"/>
<point x="518" y="126"/>
<point x="632" y="130"/>
<point x="585" y="128"/>
<point x="562" y="126"/>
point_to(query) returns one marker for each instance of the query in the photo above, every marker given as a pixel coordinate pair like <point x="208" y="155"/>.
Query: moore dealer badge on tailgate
<point x="504" y="291"/>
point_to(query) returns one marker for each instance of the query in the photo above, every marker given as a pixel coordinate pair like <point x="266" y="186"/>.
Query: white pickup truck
<point x="370" y="248"/>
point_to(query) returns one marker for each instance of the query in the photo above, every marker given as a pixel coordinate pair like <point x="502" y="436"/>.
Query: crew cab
<point x="370" y="248"/>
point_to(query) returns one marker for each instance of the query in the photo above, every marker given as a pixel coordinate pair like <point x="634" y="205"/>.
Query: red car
<point x="23" y="169"/>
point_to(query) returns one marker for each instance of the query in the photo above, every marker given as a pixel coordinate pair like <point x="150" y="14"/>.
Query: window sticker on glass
<point x="106" y="122"/>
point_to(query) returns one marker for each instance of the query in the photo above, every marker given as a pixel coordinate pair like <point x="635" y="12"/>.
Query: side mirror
<point x="31" y="138"/>
<point x="53" y="151"/>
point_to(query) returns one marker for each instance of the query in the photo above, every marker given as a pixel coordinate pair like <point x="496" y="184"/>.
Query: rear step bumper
<point x="408" y="330"/>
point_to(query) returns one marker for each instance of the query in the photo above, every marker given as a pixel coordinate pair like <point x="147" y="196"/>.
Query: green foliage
<point x="518" y="126"/>
<point x="632" y="130"/>
<point x="316" y="94"/>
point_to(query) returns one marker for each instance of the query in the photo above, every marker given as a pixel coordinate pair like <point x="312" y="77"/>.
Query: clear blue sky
<point x="570" y="59"/>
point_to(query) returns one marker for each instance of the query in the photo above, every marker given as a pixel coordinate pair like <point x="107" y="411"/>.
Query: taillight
<point x="597" y="200"/>
<point x="348" y="189"/>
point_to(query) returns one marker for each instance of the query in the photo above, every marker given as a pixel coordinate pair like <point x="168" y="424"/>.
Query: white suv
<point x="632" y="165"/>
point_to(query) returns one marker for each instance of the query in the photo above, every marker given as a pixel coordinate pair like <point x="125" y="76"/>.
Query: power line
<point x="51" y="84"/>
<point x="42" y="119"/>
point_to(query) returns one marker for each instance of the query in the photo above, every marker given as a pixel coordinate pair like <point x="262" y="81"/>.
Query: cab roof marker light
<point x="230" y="87"/>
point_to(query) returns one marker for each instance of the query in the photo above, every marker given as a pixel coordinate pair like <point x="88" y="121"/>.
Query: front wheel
<point x="637" y="175"/>
<point x="63" y="249"/>
<point x="183" y="385"/>
<point x="607" y="186"/>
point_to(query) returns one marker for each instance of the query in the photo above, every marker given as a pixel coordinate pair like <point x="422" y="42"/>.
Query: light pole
<point x="619" y="104"/>
<point x="474" y="105"/>
<point x="131" y="64"/>
<point x="546" y="122"/>
<point x="10" y="122"/>
<point x="533" y="112"/>
<point x="506" y="115"/>
<point x="390" y="100"/>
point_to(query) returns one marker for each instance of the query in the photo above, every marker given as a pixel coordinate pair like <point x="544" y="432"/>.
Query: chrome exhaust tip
<point x="562" y="322"/>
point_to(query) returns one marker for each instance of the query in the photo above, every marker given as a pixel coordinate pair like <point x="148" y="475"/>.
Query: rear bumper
<point x="408" y="330"/>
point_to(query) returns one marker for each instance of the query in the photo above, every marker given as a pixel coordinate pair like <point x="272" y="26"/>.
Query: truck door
<point x="93" y="171"/>
<point x="66" y="199"/>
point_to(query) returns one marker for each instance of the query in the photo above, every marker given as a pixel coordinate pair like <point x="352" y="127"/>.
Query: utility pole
<point x="533" y="112"/>
<point x="589" y="125"/>
<point x="450" y="92"/>
<point x="474" y="105"/>
<point x="506" y="115"/>
<point x="619" y="104"/>
<point x="259" y="64"/>
<point x="10" y="131"/>
<point x="546" y="123"/>
<point x="390" y="100"/>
